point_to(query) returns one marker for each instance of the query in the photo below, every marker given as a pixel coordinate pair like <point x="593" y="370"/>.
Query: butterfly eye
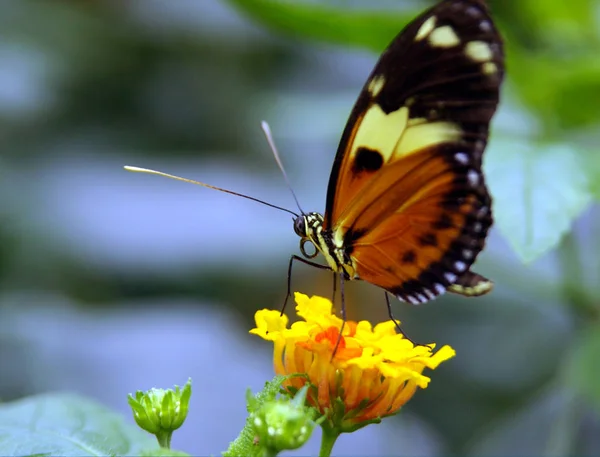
<point x="308" y="255"/>
<point x="300" y="227"/>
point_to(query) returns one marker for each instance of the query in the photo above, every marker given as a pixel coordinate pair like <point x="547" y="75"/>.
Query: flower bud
<point x="283" y="423"/>
<point x="160" y="411"/>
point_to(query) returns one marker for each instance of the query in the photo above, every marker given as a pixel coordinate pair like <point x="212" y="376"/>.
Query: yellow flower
<point x="372" y="374"/>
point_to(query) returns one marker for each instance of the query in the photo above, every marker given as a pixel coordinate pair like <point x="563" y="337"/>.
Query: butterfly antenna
<point x="267" y="131"/>
<point x="191" y="181"/>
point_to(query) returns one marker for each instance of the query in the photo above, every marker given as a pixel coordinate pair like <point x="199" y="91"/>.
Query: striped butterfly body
<point x="407" y="206"/>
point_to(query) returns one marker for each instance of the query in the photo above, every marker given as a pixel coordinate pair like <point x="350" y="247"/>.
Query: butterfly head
<point x="309" y="227"/>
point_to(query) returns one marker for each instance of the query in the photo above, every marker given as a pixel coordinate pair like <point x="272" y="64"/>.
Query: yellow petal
<point x="269" y="324"/>
<point x="316" y="310"/>
<point x="385" y="328"/>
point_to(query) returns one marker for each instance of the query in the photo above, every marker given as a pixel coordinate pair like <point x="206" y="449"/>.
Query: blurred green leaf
<point x="538" y="191"/>
<point x="556" y="23"/>
<point x="63" y="424"/>
<point x="551" y="51"/>
<point x="558" y="94"/>
<point x="371" y="30"/>
<point x="583" y="371"/>
<point x="591" y="159"/>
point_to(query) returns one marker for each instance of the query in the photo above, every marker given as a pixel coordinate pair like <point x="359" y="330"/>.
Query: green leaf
<point x="371" y="30"/>
<point x="539" y="35"/>
<point x="559" y="94"/>
<point x="583" y="370"/>
<point x="591" y="159"/>
<point x="538" y="191"/>
<point x="63" y="424"/>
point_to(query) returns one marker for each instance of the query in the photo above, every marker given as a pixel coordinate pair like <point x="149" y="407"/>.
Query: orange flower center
<point x="332" y="336"/>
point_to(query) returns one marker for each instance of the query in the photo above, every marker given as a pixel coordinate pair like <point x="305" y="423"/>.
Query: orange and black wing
<point x="407" y="197"/>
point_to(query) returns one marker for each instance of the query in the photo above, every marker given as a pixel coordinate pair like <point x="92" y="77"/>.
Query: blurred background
<point x="113" y="282"/>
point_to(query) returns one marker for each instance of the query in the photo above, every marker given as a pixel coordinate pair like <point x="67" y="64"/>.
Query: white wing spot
<point x="473" y="178"/>
<point x="485" y="26"/>
<point x="426" y="28"/>
<point x="430" y="294"/>
<point x="460" y="266"/>
<point x="444" y="37"/>
<point x="479" y="51"/>
<point x="375" y="85"/>
<point x="450" y="277"/>
<point x="462" y="157"/>
<point x="439" y="288"/>
<point x="477" y="227"/>
<point x="412" y="300"/>
<point x="473" y="12"/>
<point x="489" y="68"/>
<point x="467" y="254"/>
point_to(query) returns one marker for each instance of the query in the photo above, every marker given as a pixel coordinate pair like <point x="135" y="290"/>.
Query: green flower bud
<point x="160" y="411"/>
<point x="283" y="423"/>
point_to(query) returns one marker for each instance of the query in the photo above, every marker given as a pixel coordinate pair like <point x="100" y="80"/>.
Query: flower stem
<point x="268" y="452"/>
<point x="328" y="439"/>
<point x="164" y="438"/>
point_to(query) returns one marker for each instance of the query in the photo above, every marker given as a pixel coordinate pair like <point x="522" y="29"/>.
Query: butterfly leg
<point x="337" y="343"/>
<point x="289" y="276"/>
<point x="333" y="295"/>
<point x="393" y="319"/>
<point x="343" y="301"/>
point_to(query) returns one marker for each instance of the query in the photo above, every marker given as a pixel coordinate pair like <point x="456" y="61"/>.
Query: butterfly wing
<point x="407" y="198"/>
<point x="471" y="284"/>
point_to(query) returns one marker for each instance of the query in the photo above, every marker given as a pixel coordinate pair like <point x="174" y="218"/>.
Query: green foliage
<point x="538" y="191"/>
<point x="326" y="23"/>
<point x="556" y="42"/>
<point x="591" y="161"/>
<point x="61" y="424"/>
<point x="583" y="370"/>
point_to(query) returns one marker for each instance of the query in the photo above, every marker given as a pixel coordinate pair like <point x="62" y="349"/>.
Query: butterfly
<point x="407" y="207"/>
